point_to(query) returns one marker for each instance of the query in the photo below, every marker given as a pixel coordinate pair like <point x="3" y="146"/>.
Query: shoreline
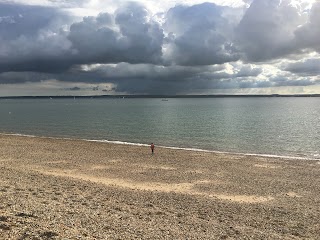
<point x="168" y="147"/>
<point x="77" y="189"/>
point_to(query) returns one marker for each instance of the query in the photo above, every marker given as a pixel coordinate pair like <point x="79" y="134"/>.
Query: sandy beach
<point x="75" y="189"/>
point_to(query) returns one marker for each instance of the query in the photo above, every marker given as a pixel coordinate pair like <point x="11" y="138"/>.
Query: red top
<point x="152" y="146"/>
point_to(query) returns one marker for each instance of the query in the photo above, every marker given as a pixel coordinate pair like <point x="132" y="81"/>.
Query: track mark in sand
<point x="53" y="162"/>
<point x="115" y="161"/>
<point x="163" y="167"/>
<point x="6" y="160"/>
<point x="194" y="171"/>
<point x="184" y="188"/>
<point x="65" y="172"/>
<point x="244" y="198"/>
<point x="270" y="166"/>
<point x="98" y="167"/>
<point x="203" y="181"/>
<point x="293" y="194"/>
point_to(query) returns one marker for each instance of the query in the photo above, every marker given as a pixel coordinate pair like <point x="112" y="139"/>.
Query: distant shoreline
<point x="164" y="96"/>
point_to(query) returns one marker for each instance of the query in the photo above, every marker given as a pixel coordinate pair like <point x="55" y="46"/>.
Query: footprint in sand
<point x="98" y="167"/>
<point x="270" y="166"/>
<point x="293" y="194"/>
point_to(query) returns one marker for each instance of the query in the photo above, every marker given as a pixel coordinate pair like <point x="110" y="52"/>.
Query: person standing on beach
<point x="152" y="148"/>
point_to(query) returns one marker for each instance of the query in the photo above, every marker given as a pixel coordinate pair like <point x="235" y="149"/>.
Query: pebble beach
<point x="76" y="189"/>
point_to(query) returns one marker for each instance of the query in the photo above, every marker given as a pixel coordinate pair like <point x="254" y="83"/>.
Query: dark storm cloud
<point x="21" y="77"/>
<point x="275" y="29"/>
<point x="21" y="20"/>
<point x="200" y="35"/>
<point x="187" y="52"/>
<point x="73" y="89"/>
<point x="266" y="31"/>
<point x="307" y="67"/>
<point x="127" y="36"/>
<point x="33" y="39"/>
<point x="148" y="78"/>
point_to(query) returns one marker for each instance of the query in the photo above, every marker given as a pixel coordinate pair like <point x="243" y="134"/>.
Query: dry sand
<point x="74" y="189"/>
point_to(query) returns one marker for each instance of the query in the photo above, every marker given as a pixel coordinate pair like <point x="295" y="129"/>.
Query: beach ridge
<point x="93" y="190"/>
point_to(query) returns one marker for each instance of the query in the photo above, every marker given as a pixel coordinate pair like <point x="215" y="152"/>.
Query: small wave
<point x="243" y="154"/>
<point x="204" y="150"/>
<point x="117" y="142"/>
<point x="19" y="135"/>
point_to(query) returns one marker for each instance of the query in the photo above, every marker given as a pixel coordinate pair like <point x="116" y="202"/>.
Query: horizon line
<point x="161" y="96"/>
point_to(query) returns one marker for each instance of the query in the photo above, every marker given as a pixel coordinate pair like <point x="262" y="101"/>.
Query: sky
<point x="99" y="47"/>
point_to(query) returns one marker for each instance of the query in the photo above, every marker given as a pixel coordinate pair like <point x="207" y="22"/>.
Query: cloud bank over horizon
<point x="147" y="47"/>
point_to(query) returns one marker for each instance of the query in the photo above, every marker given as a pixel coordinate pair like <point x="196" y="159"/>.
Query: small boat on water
<point x="164" y="100"/>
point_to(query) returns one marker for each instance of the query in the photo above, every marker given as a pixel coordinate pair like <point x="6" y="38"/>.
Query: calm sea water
<point x="277" y="126"/>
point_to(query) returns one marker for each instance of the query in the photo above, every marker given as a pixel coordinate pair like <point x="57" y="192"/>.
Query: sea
<point x="276" y="126"/>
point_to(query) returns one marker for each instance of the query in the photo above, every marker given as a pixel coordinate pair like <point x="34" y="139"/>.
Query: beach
<point x="76" y="189"/>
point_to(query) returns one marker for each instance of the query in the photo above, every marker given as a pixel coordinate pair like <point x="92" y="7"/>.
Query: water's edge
<point x="167" y="147"/>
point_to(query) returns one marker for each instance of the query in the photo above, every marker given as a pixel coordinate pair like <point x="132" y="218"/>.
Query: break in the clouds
<point x="158" y="47"/>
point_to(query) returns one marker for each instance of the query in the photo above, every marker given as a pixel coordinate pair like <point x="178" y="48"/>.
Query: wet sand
<point x="74" y="189"/>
